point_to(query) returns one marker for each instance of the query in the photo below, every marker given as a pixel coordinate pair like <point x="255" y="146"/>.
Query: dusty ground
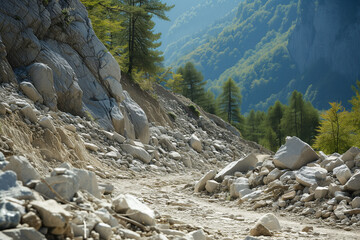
<point x="171" y="197"/>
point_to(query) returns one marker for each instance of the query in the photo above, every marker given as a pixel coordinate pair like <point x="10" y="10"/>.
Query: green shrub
<point x="194" y="110"/>
<point x="172" y="116"/>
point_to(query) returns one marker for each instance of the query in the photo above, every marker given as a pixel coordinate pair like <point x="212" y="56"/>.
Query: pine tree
<point x="139" y="39"/>
<point x="275" y="114"/>
<point x="335" y="132"/>
<point x="230" y="101"/>
<point x="193" y="85"/>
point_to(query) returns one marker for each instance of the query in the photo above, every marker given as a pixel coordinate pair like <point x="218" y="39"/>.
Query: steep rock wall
<point x="325" y="41"/>
<point x="59" y="36"/>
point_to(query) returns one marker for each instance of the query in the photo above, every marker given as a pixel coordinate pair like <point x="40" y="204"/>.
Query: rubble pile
<point x="296" y="179"/>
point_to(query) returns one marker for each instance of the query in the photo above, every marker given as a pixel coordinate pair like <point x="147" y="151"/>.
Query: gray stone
<point x="137" y="152"/>
<point x="175" y="155"/>
<point x="29" y="113"/>
<point x="211" y="186"/>
<point x="31" y="92"/>
<point x="200" y="185"/>
<point x="342" y="173"/>
<point x="294" y="154"/>
<point x="138" y="118"/>
<point x="91" y="147"/>
<point x="10" y="215"/>
<point x="195" y="143"/>
<point x="24" y="170"/>
<point x="321" y="192"/>
<point x="65" y="185"/>
<point x="332" y="162"/>
<point x="350" y="154"/>
<point x="87" y="181"/>
<point x="355" y="203"/>
<point x="243" y="165"/>
<point x="238" y="185"/>
<point x="42" y="77"/>
<point x="128" y="234"/>
<point x="46" y="122"/>
<point x="271" y="222"/>
<point x="27" y="233"/>
<point x="118" y="137"/>
<point x="353" y="184"/>
<point x="31" y="219"/>
<point x="137" y="211"/>
<point x="197" y="235"/>
<point x="108" y="188"/>
<point x="340" y="210"/>
<point x="306" y="175"/>
<point x="273" y="175"/>
<point x="52" y="214"/>
<point x="3" y="236"/>
<point x="260" y="230"/>
<point x="10" y="188"/>
<point x="104" y="230"/>
<point x="333" y="187"/>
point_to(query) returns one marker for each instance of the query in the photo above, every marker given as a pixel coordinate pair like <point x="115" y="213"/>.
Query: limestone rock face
<point x="53" y="41"/>
<point x="294" y="154"/>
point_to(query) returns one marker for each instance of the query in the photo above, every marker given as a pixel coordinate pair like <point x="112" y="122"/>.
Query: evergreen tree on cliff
<point x="138" y="37"/>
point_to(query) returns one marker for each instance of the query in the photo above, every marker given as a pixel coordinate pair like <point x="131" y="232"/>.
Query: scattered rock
<point x="242" y="165"/>
<point x="52" y="214"/>
<point x="342" y="173"/>
<point x="10" y="215"/>
<point x="91" y="147"/>
<point x="31" y="92"/>
<point x="137" y="152"/>
<point x="321" y="192"/>
<point x="23" y="169"/>
<point x="306" y="175"/>
<point x="137" y="211"/>
<point x="353" y="184"/>
<point x="260" y="230"/>
<point x="350" y="154"/>
<point x="10" y="188"/>
<point x="211" y="186"/>
<point x="32" y="220"/>
<point x="29" y="113"/>
<point x="26" y="233"/>
<point x="46" y="122"/>
<point x="195" y="143"/>
<point x="104" y="230"/>
<point x="270" y="222"/>
<point x="200" y="185"/>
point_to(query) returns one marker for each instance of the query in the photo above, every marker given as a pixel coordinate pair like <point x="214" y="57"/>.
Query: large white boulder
<point x="137" y="211"/>
<point x="271" y="222"/>
<point x="294" y="154"/>
<point x="350" y="154"/>
<point x="241" y="165"/>
<point x="9" y="187"/>
<point x="239" y="185"/>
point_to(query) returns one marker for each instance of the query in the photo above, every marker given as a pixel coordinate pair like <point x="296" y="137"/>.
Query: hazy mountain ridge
<point x="271" y="48"/>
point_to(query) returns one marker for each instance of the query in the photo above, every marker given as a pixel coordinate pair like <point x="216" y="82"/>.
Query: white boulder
<point x="294" y="154"/>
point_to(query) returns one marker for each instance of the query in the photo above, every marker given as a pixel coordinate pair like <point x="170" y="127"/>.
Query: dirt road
<point x="169" y="196"/>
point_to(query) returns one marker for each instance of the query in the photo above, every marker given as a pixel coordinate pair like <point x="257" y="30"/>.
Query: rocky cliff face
<point x="50" y="47"/>
<point x="326" y="37"/>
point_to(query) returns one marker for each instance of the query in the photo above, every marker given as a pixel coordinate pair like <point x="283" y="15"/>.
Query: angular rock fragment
<point x="294" y="154"/>
<point x="137" y="211"/>
<point x="242" y="165"/>
<point x="200" y="185"/>
<point x="137" y="152"/>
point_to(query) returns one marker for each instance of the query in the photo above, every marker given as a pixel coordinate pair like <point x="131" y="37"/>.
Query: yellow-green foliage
<point x="175" y="83"/>
<point x="194" y="110"/>
<point x="335" y="133"/>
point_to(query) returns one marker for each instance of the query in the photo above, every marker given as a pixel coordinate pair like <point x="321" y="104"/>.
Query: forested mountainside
<point x="189" y="17"/>
<point x="272" y="47"/>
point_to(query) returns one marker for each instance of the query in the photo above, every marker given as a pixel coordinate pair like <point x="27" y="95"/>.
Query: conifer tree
<point x="275" y="114"/>
<point x="175" y="83"/>
<point x="139" y="39"/>
<point x="230" y="101"/>
<point x="193" y="85"/>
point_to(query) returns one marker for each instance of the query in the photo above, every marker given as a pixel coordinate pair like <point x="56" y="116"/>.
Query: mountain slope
<point x="272" y="47"/>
